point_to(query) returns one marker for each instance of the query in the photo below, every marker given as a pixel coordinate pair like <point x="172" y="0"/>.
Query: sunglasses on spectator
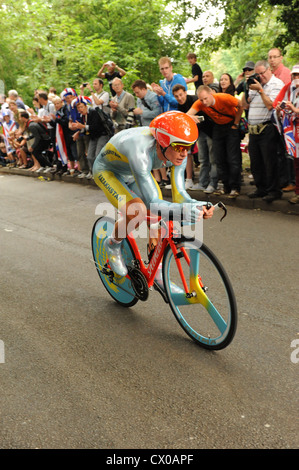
<point x="180" y="147"/>
<point x="247" y="70"/>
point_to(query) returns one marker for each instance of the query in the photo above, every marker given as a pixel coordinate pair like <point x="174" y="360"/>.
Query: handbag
<point x="243" y="125"/>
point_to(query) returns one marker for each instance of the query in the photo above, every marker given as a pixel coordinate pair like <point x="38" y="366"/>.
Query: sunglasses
<point x="180" y="147"/>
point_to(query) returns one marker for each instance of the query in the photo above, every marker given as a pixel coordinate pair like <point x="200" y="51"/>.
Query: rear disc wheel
<point x="119" y="287"/>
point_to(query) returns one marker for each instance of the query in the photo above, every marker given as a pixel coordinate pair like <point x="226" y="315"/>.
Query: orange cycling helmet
<point x="174" y="127"/>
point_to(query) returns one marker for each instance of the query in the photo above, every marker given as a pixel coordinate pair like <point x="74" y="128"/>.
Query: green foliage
<point x="47" y="43"/>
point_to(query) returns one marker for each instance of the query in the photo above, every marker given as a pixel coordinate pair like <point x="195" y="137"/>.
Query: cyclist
<point x="123" y="171"/>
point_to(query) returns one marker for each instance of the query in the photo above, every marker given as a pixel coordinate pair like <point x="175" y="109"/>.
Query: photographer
<point x="99" y="96"/>
<point x="263" y="137"/>
<point x="122" y="105"/>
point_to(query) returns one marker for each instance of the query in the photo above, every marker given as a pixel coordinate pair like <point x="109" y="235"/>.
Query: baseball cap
<point x="249" y="65"/>
<point x="295" y="69"/>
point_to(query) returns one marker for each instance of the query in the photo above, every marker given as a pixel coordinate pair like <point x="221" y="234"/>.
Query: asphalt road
<point x="81" y="372"/>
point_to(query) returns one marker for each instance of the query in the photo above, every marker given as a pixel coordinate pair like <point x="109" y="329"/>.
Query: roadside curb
<point x="242" y="201"/>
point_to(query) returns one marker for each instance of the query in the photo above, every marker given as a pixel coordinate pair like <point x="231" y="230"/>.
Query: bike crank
<point x="139" y="283"/>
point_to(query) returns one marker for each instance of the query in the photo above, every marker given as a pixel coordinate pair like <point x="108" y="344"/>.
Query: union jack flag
<point x="288" y="133"/>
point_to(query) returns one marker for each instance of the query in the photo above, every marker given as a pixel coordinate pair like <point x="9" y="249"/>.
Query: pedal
<point x="107" y="272"/>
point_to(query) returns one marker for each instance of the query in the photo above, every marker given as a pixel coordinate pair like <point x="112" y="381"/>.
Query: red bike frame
<point x="150" y="270"/>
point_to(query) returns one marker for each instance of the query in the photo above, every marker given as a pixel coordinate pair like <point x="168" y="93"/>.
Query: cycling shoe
<point x="115" y="257"/>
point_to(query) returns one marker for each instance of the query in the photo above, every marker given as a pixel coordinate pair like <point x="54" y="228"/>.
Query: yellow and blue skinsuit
<point x="123" y="171"/>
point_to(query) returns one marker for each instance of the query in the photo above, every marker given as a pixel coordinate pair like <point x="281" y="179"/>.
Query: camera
<point x="251" y="79"/>
<point x="201" y="118"/>
<point x="85" y="84"/>
<point x="130" y="119"/>
<point x="282" y="104"/>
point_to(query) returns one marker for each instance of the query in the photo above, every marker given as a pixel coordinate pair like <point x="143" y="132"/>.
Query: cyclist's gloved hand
<point x="192" y="212"/>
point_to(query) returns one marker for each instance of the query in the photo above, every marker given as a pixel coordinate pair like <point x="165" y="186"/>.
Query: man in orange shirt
<point x="225" y="110"/>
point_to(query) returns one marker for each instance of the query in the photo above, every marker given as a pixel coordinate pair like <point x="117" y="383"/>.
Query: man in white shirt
<point x="263" y="137"/>
<point x="99" y="96"/>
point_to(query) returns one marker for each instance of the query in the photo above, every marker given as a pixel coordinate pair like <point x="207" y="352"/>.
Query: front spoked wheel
<point x="119" y="287"/>
<point x="208" y="311"/>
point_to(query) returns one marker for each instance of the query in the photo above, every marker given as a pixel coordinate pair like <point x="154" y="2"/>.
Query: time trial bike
<point x="195" y="284"/>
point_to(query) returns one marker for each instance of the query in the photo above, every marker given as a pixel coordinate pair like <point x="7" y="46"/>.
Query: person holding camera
<point x="122" y="106"/>
<point x="99" y="96"/>
<point x="263" y="144"/>
<point x="113" y="71"/>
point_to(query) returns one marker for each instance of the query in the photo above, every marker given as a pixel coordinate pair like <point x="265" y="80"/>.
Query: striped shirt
<point x="258" y="112"/>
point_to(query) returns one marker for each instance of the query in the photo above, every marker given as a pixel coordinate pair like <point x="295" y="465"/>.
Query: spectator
<point x="4" y="105"/>
<point x="122" y="105"/>
<point x="19" y="143"/>
<point x="148" y="105"/>
<point x="275" y="59"/>
<point x="164" y="89"/>
<point x="76" y="143"/>
<point x="208" y="178"/>
<point x="225" y="110"/>
<point x="36" y="104"/>
<point x="185" y="102"/>
<point x="208" y="80"/>
<point x="41" y="141"/>
<point x="195" y="70"/>
<point x="111" y="74"/>
<point x="14" y="96"/>
<point x="92" y="126"/>
<point x="263" y="137"/>
<point x="60" y="122"/>
<point x="226" y="84"/>
<point x="99" y="96"/>
<point x="241" y="81"/>
<point x="47" y="109"/>
<point x="3" y="153"/>
<point x="286" y="112"/>
<point x="52" y="93"/>
<point x="15" y="111"/>
<point x="8" y="126"/>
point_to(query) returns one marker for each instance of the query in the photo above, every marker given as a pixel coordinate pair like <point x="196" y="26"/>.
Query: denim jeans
<point x="94" y="148"/>
<point x="208" y="167"/>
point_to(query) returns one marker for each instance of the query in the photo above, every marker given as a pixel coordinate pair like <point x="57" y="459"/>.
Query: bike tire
<point x="120" y="289"/>
<point x="212" y="323"/>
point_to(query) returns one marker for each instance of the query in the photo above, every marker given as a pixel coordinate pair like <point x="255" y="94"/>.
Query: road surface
<point x="79" y="371"/>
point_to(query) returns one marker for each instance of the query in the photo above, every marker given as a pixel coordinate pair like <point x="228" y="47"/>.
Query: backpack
<point x="106" y="122"/>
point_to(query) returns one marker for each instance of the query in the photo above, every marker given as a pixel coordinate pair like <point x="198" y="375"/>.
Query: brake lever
<point x="218" y="206"/>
